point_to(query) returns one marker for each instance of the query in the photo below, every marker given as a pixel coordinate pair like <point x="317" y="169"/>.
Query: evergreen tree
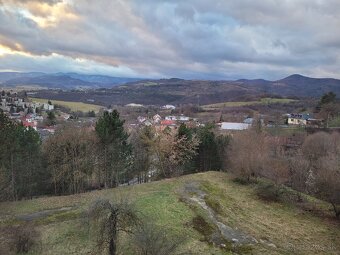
<point x="19" y="160"/>
<point x="183" y="130"/>
<point x="114" y="148"/>
<point x="208" y="157"/>
<point x="91" y="114"/>
<point x="327" y="98"/>
<point x="51" y="119"/>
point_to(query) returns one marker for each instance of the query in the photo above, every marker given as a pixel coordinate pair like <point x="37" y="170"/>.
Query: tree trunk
<point x="113" y="237"/>
<point x="336" y="211"/>
<point x="112" y="247"/>
<point x="13" y="179"/>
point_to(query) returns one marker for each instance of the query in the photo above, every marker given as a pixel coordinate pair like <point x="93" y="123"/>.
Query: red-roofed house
<point x="168" y="123"/>
<point x="27" y="124"/>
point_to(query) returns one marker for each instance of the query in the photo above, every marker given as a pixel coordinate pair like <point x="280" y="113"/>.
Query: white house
<point x="141" y="119"/>
<point x="171" y="118"/>
<point x="48" y="107"/>
<point x="169" y="107"/>
<point x="298" y="119"/>
<point x="183" y="118"/>
<point x="156" y="118"/>
<point x="234" y="126"/>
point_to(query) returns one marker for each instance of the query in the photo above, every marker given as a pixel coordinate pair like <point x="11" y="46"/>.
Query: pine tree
<point x="114" y="148"/>
<point x="19" y="160"/>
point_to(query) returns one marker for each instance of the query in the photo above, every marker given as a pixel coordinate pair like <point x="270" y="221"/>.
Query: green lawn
<point x="290" y="229"/>
<point x="238" y="104"/>
<point x="74" y="106"/>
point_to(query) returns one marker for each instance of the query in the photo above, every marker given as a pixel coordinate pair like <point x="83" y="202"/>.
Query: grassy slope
<point x="238" y="104"/>
<point x="283" y="225"/>
<point x="74" y="106"/>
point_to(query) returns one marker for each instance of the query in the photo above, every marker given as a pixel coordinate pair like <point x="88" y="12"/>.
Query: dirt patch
<point x="42" y="214"/>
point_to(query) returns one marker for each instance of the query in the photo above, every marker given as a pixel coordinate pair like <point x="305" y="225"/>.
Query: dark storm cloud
<point x="193" y="38"/>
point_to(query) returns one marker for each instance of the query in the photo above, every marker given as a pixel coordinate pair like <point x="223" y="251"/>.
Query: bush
<point x="269" y="192"/>
<point x="153" y="240"/>
<point x="213" y="204"/>
<point x="24" y="238"/>
<point x="244" y="181"/>
<point x="203" y="227"/>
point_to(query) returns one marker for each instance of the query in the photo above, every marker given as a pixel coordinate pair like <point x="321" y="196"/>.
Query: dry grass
<point x="291" y="229"/>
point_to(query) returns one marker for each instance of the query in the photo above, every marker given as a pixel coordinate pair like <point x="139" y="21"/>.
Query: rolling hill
<point x="61" y="80"/>
<point x="213" y="215"/>
<point x="106" y="90"/>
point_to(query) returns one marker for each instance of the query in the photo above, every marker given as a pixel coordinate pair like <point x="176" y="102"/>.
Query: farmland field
<point x="263" y="101"/>
<point x="74" y="106"/>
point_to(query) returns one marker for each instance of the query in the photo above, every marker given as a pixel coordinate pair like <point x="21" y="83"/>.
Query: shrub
<point x="153" y="240"/>
<point x="24" y="238"/>
<point x="244" y="181"/>
<point x="203" y="227"/>
<point x="213" y="204"/>
<point x="269" y="192"/>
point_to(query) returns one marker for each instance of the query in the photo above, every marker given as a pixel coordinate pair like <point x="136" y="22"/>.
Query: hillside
<point x="73" y="106"/>
<point x="61" y="80"/>
<point x="202" y="92"/>
<point x="198" y="207"/>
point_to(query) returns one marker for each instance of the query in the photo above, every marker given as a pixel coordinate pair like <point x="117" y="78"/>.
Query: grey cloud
<point x="193" y="38"/>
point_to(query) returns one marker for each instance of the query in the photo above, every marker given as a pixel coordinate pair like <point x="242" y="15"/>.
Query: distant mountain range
<point x="296" y="85"/>
<point x="179" y="91"/>
<point x="117" y="90"/>
<point x="61" y="80"/>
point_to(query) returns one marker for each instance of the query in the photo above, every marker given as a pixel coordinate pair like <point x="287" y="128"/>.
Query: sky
<point x="192" y="39"/>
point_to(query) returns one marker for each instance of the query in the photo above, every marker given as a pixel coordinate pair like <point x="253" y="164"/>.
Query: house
<point x="147" y="123"/>
<point x="168" y="122"/>
<point x="298" y="119"/>
<point x="183" y="118"/>
<point x="169" y="107"/>
<point x="174" y="118"/>
<point x="141" y="119"/>
<point x="315" y="123"/>
<point x="65" y="116"/>
<point x="48" y="107"/>
<point x="27" y="124"/>
<point x="156" y="118"/>
<point x="248" y="120"/>
<point x="29" y="121"/>
<point x="134" y="105"/>
<point x="233" y="126"/>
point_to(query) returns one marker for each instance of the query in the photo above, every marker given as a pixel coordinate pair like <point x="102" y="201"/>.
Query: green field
<point x="278" y="228"/>
<point x="74" y="106"/>
<point x="263" y="101"/>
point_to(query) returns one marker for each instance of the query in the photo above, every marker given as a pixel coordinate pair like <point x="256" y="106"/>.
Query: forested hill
<point x="180" y="91"/>
<point x="61" y="80"/>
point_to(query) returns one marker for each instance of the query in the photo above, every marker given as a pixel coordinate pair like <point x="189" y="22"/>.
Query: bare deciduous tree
<point x="108" y="219"/>
<point x="248" y="154"/>
<point x="327" y="182"/>
<point x="171" y="152"/>
<point x="70" y="157"/>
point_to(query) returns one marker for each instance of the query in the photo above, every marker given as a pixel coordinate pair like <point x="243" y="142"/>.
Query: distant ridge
<point x="169" y="91"/>
<point x="62" y="80"/>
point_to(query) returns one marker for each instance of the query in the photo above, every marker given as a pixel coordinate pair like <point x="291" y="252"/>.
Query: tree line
<point x="74" y="161"/>
<point x="77" y="160"/>
<point x="311" y="168"/>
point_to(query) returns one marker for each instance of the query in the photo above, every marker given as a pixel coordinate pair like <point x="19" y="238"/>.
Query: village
<point x="46" y="117"/>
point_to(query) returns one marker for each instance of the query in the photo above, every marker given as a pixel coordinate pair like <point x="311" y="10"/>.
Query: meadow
<point x="278" y="228"/>
<point x="262" y="101"/>
<point x="73" y="106"/>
